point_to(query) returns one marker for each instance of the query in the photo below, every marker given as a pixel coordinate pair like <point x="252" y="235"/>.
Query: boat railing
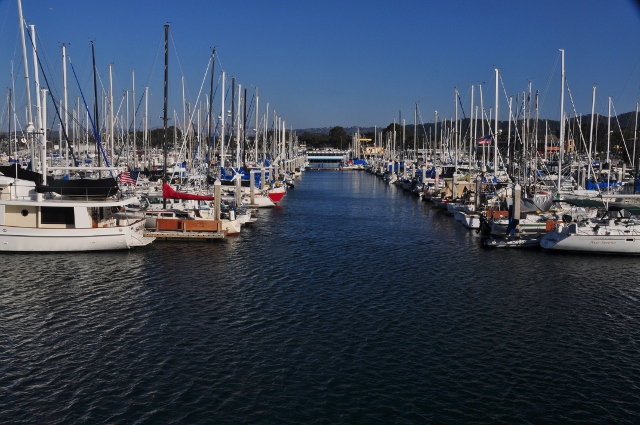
<point x="30" y="193"/>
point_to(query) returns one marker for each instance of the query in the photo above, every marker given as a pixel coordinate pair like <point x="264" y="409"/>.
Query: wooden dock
<point x="171" y="228"/>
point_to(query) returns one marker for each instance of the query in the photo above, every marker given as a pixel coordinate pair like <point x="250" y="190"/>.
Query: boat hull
<point x="20" y="239"/>
<point x="276" y="195"/>
<point x="601" y="244"/>
<point x="470" y="220"/>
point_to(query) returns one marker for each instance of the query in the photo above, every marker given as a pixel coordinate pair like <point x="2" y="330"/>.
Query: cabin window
<point x="57" y="215"/>
<point x="24" y="213"/>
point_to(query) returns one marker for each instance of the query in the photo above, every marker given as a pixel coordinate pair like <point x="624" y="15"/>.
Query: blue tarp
<point x="593" y="186"/>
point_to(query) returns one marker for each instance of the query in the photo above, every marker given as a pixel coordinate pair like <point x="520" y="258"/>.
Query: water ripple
<point x="351" y="303"/>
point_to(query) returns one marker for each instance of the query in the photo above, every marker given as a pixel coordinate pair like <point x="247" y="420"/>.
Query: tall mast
<point x="128" y="147"/>
<point x="30" y="127"/>
<point x="593" y="106"/>
<point x="415" y="131"/>
<point x="9" y="100"/>
<point x="66" y="104"/>
<point x="95" y="110"/>
<point x="223" y="115"/>
<point x="435" y="136"/>
<point x="608" y="147"/>
<point x="509" y="150"/>
<point x="145" y="142"/>
<point x="635" y="138"/>
<point x="495" y="132"/>
<point x="209" y="141"/>
<point x="284" y="141"/>
<point x="185" y="129"/>
<point x="635" y="144"/>
<point x="43" y="137"/>
<point x="455" y="138"/>
<point x="112" y="138"/>
<point x="244" y="130"/>
<point x="165" y="141"/>
<point x="133" y="106"/>
<point x="257" y="128"/>
<point x="238" y="124"/>
<point x="36" y="80"/>
<point x="561" y="141"/>
<point x="471" y="123"/>
<point x="482" y="133"/>
<point x="265" y="133"/>
<point x="233" y="110"/>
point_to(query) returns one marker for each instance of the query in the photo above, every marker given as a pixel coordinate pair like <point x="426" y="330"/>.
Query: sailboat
<point x="615" y="232"/>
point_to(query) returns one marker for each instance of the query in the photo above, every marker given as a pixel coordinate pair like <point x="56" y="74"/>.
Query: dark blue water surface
<point x="350" y="303"/>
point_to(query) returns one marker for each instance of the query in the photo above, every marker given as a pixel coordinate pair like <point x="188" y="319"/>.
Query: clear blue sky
<point x="334" y="62"/>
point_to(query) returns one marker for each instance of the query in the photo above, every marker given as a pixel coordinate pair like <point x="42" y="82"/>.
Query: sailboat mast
<point x="608" y="147"/>
<point x="66" y="102"/>
<point x="209" y="141"/>
<point x="495" y="132"/>
<point x="39" y="117"/>
<point x="112" y="138"/>
<point x="561" y="141"/>
<point x="222" y="120"/>
<point x="471" y="126"/>
<point x="415" y="132"/>
<point x="233" y="111"/>
<point x="95" y="105"/>
<point x="455" y="154"/>
<point x="238" y="125"/>
<point x="435" y="136"/>
<point x="635" y="145"/>
<point x="244" y="130"/>
<point x="30" y="128"/>
<point x="145" y="142"/>
<point x="43" y="137"/>
<point x="593" y="106"/>
<point x="509" y="162"/>
<point x="256" y="128"/>
<point x="164" y="116"/>
<point x="9" y="122"/>
<point x="133" y="106"/>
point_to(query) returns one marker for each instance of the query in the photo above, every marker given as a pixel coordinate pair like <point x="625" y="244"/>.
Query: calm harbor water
<point x="350" y="303"/>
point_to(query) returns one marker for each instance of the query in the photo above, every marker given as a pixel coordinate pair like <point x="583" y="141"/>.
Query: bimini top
<point x="632" y="208"/>
<point x="584" y="203"/>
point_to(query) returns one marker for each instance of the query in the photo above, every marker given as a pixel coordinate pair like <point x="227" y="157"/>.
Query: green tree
<point x="314" y="140"/>
<point x="338" y="136"/>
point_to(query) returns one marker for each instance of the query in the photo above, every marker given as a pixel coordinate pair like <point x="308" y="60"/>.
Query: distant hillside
<point x="326" y="130"/>
<point x="627" y="121"/>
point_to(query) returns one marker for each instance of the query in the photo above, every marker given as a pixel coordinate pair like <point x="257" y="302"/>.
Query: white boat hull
<point x="604" y="244"/>
<point x="470" y="220"/>
<point x="20" y="239"/>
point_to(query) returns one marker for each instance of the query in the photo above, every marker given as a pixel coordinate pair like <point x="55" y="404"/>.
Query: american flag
<point x="128" y="177"/>
<point x="485" y="140"/>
